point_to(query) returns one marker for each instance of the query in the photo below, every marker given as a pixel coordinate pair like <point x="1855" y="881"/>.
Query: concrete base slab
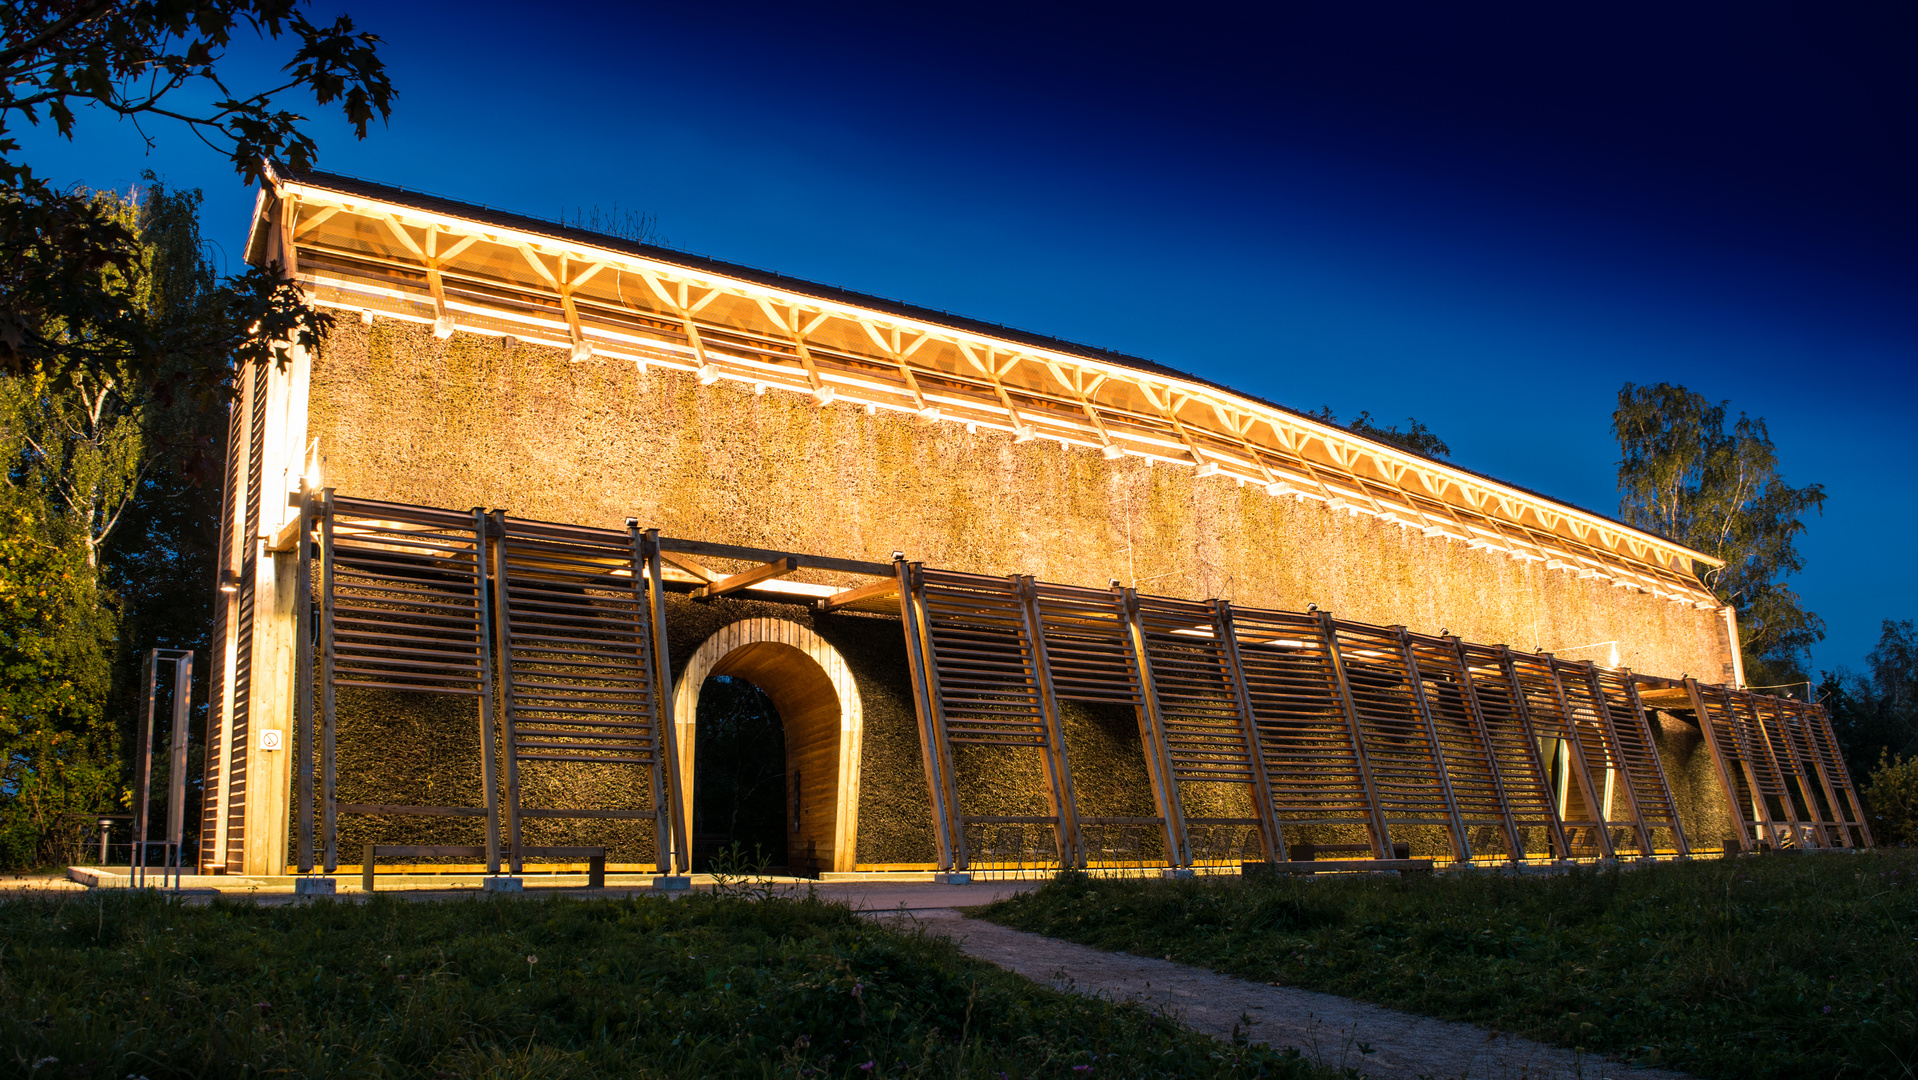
<point x="314" y="886"/>
<point x="669" y="883"/>
<point x="503" y="883"/>
<point x="1174" y="873"/>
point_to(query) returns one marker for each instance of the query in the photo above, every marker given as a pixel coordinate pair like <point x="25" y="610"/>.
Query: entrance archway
<point x="813" y="690"/>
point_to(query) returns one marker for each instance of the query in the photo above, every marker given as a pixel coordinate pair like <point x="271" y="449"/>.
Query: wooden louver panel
<point x="989" y="685"/>
<point x="1774" y="724"/>
<point x="1644" y="771"/>
<point x="1408" y="769"/>
<point x="1524" y="779"/>
<point x="1313" y="760"/>
<point x="1194" y="680"/>
<point x="1580" y="749"/>
<point x="402" y="609"/>
<point x="579" y="675"/>
<point x="1472" y="770"/>
<point x="1847" y="811"/>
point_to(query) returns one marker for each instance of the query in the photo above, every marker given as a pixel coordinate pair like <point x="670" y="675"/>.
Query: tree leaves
<point x="1685" y="477"/>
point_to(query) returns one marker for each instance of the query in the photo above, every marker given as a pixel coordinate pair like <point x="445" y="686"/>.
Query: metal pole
<point x="143" y="778"/>
<point x="176" y="770"/>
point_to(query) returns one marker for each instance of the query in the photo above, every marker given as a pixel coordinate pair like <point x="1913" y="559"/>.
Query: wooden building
<point x="824" y="468"/>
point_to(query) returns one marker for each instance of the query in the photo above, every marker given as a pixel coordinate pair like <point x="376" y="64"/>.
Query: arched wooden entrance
<point x="813" y="690"/>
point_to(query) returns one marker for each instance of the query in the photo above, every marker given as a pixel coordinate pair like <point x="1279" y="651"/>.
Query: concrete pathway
<point x="1379" y="1042"/>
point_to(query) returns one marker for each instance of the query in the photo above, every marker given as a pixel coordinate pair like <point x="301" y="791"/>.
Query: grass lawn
<point x="112" y="985"/>
<point x="1750" y="968"/>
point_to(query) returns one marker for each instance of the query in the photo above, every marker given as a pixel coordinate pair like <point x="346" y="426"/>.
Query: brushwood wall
<point x="472" y="421"/>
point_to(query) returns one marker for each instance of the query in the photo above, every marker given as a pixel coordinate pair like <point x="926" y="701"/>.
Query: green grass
<point x="1753" y="968"/>
<point x="110" y="984"/>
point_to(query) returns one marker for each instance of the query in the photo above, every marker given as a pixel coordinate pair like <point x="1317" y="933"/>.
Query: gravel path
<point x="1331" y="1030"/>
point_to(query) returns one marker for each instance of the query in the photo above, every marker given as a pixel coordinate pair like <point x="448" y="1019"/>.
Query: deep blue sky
<point x="1487" y="216"/>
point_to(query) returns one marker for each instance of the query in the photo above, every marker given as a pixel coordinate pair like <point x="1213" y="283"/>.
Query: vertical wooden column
<point x="303" y="628"/>
<point x="1065" y="806"/>
<point x="483" y="537"/>
<point x="1152" y="737"/>
<point x="933" y="748"/>
<point x="329" y="797"/>
<point x="503" y="645"/>
<point x="1719" y="765"/>
<point x="1381" y="836"/>
<point x="1271" y="836"/>
<point x="649" y="581"/>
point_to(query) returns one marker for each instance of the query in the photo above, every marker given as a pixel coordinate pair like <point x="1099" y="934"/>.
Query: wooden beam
<point x="881" y="588"/>
<point x="765" y="572"/>
<point x="690" y="566"/>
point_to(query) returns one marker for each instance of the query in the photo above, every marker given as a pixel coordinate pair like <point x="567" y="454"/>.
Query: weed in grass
<point x="546" y="987"/>
<point x="1753" y="968"/>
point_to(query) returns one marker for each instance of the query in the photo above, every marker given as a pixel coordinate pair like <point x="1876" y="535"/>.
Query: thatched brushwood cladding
<point x="468" y="421"/>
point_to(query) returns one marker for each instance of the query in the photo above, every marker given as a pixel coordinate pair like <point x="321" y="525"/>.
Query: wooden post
<point x="668" y="734"/>
<point x="1719" y="765"/>
<point x="1064" y="804"/>
<point x="303" y="741"/>
<point x="1158" y="763"/>
<point x="1271" y="835"/>
<point x="329" y="794"/>
<point x="509" y="735"/>
<point x="489" y="775"/>
<point x="1461" y="845"/>
<point x="939" y="764"/>
<point x="664" y="771"/>
<point x="1381" y="836"/>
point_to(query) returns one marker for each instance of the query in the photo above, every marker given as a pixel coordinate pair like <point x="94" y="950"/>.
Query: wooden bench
<point x="595" y="858"/>
<point x="1305" y="860"/>
<point x="1304" y="852"/>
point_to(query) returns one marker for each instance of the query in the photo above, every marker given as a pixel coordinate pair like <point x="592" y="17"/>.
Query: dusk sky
<point x="1485" y="216"/>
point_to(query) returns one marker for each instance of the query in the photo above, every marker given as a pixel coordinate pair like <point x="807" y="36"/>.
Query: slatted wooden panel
<point x="579" y="681"/>
<point x="1779" y="726"/>
<point x="1196" y="685"/>
<point x="1848" y="811"/>
<point x="1644" y="769"/>
<point x="1738" y="774"/>
<point x="403" y="608"/>
<point x="1315" y="766"/>
<point x="1409" y="778"/>
<point x="1092" y="657"/>
<point x="1465" y="750"/>
<point x="1525" y="780"/>
<point x="986" y="681"/>
<point x="1582" y="751"/>
<point x="1592" y="721"/>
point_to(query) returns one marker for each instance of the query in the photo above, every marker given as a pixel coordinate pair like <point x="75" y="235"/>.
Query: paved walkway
<point x="1380" y="1042"/>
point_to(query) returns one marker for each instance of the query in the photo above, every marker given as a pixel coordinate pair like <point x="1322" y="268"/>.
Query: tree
<point x="1416" y="437"/>
<point x="1687" y="478"/>
<point x="142" y="60"/>
<point x="1877" y="713"/>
